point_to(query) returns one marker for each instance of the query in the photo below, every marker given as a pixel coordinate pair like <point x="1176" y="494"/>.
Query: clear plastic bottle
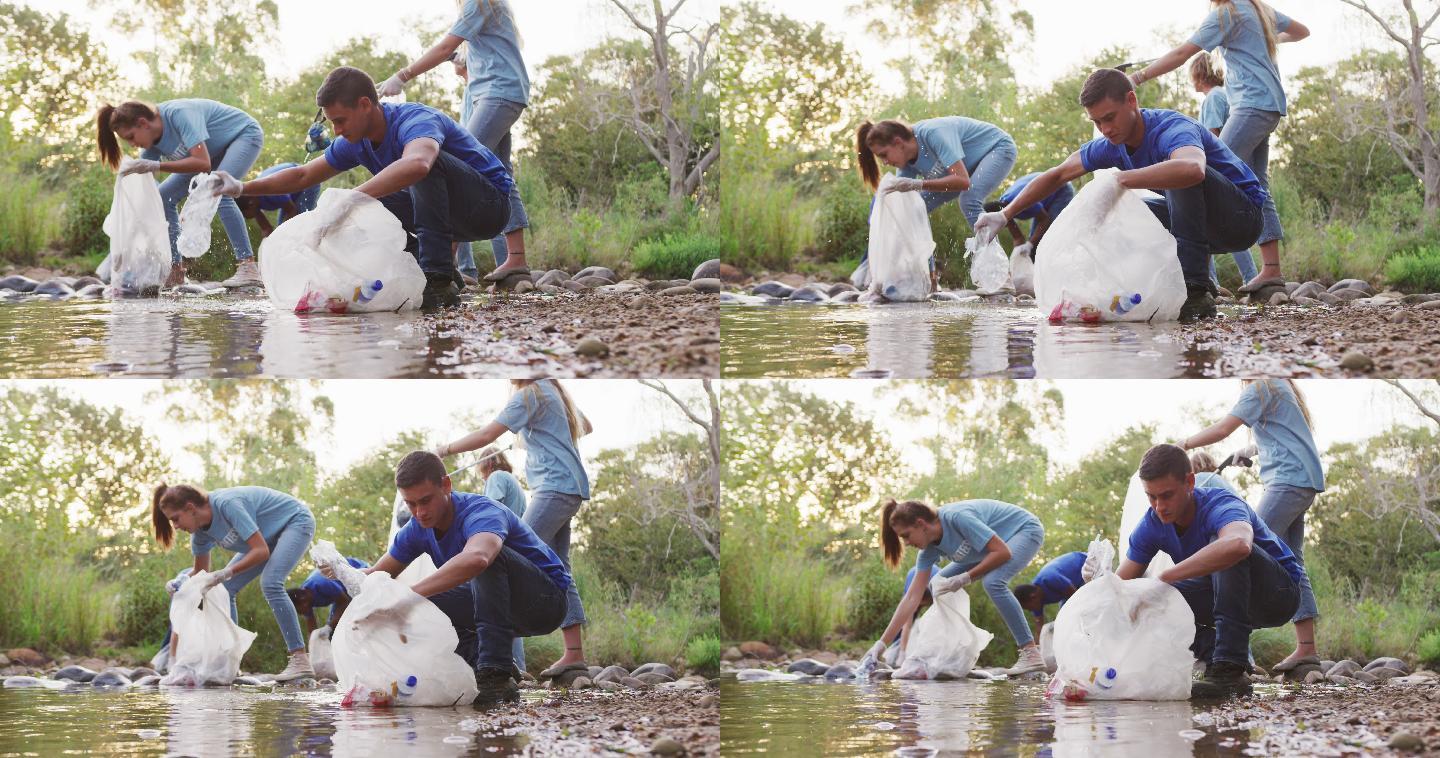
<point x="367" y="291"/>
<point x="406" y="687"/>
<point x="1124" y="303"/>
<point x="1106" y="678"/>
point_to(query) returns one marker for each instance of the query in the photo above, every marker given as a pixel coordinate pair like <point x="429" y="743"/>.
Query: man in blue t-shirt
<point x="443" y="185"/>
<point x="1210" y="200"/>
<point x="516" y="584"/>
<point x="1041" y="214"/>
<point x="1232" y="570"/>
<point x="1055" y="583"/>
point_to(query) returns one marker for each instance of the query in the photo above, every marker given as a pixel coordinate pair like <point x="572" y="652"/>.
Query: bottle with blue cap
<point x="1106" y="678"/>
<point x="406" y="687"/>
<point x="1124" y="303"/>
<point x="366" y="291"/>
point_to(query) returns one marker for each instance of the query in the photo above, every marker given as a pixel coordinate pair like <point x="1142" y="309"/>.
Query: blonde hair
<point x="531" y="393"/>
<point x="883" y="133"/>
<point x="1265" y="13"/>
<point x="1206" y="69"/>
<point x="1201" y="461"/>
<point x="1266" y="388"/>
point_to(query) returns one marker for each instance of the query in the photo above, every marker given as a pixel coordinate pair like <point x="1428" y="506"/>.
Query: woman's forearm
<point x="431" y="58"/>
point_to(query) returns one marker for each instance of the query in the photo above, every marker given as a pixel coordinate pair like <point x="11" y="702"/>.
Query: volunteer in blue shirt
<point x="502" y="487"/>
<point x="1248" y="31"/>
<point x="1211" y="201"/>
<point x="1233" y="572"/>
<point x="986" y="541"/>
<point x="319" y="591"/>
<point x="1203" y="464"/>
<point x="541" y="413"/>
<point x="1209" y="80"/>
<point x="268" y="531"/>
<point x="184" y="138"/>
<point x="497" y="91"/>
<point x="426" y="170"/>
<point x="1055" y="583"/>
<point x="289" y="205"/>
<point x="1040" y="215"/>
<point x="1291" y="471"/>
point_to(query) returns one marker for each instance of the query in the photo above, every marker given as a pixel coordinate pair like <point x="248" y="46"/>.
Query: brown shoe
<point x="177" y="275"/>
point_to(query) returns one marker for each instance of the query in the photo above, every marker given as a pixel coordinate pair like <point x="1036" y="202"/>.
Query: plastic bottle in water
<point x="406" y="687"/>
<point x="1124" y="303"/>
<point x="367" y="291"/>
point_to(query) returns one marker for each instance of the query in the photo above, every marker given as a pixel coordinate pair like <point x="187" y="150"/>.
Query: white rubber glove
<point x="876" y="650"/>
<point x="218" y="577"/>
<point x="442" y="451"/>
<point x="1026" y="249"/>
<point x="1091" y="567"/>
<point x="989" y="225"/>
<point x="130" y="166"/>
<point x="172" y="586"/>
<point x="326" y="570"/>
<point x="225" y="184"/>
<point x="394" y="85"/>
<point x="903" y="184"/>
<point x="948" y="584"/>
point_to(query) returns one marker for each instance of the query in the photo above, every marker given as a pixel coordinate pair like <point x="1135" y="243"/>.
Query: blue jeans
<point x="1211" y="217"/>
<point x="548" y="515"/>
<point x="987" y="177"/>
<point x="1282" y="508"/>
<point x="305" y="201"/>
<point x="237" y="158"/>
<point x="285" y="554"/>
<point x="1247" y="134"/>
<point x="1023" y="547"/>
<point x="1243" y="260"/>
<point x="1256" y="593"/>
<point x="458" y="604"/>
<point x="1063" y="196"/>
<point x="453" y="201"/>
<point x="490" y="121"/>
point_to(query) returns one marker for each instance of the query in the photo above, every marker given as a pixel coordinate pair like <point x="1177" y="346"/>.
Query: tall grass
<point x="767" y="221"/>
<point x="50" y="602"/>
<point x="779" y="595"/>
<point x="29" y="217"/>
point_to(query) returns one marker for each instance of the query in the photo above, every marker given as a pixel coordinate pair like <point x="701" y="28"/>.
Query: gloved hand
<point x="948" y="584"/>
<point x="1091" y="567"/>
<point x="225" y="184"/>
<point x="1025" y="248"/>
<point x="442" y="451"/>
<point x="989" y="225"/>
<point x="218" y="577"/>
<point x="904" y="184"/>
<point x="876" y="650"/>
<point x="130" y="166"/>
<point x="327" y="570"/>
<point x="172" y="586"/>
<point x="394" y="85"/>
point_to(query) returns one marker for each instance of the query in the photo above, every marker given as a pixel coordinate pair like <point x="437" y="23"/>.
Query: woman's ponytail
<point x="105" y="138"/>
<point x="905" y="514"/>
<point x="164" y="533"/>
<point x="869" y="170"/>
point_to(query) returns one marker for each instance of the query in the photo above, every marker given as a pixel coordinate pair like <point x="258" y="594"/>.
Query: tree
<point x="701" y="506"/>
<point x="50" y="73"/>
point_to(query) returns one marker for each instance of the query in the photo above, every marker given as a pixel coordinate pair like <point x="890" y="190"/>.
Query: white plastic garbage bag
<point x="1022" y="271"/>
<point x="1137" y="503"/>
<point x="1107" y="258"/>
<point x="195" y="217"/>
<point x="322" y="656"/>
<point x="861" y="276"/>
<point x="1047" y="646"/>
<point x="1123" y="640"/>
<point x="900" y="245"/>
<point x="988" y="268"/>
<point x="139" y="237"/>
<point x="366" y="250"/>
<point x="209" y="644"/>
<point x="943" y="643"/>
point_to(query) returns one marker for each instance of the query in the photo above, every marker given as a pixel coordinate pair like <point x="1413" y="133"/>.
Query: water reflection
<point x="918" y="340"/>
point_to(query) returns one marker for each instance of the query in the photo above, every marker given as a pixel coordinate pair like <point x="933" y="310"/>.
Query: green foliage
<point x="874" y="590"/>
<point x="28" y="217"/>
<point x="87" y="203"/>
<point x="843" y="228"/>
<point x="48" y="74"/>
<point x="702" y="655"/>
<point x="52" y="602"/>
<point x="675" y="256"/>
<point x="1429" y="650"/>
<point x="1417" y="271"/>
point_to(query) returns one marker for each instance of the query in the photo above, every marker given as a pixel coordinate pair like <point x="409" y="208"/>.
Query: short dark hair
<point x="1105" y="83"/>
<point x="1162" y="461"/>
<point x="993" y="206"/>
<point x="345" y="86"/>
<point x="1024" y="592"/>
<point x="419" y="466"/>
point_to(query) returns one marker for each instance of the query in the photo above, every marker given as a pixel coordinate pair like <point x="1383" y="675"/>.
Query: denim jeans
<point x="1063" y="196"/>
<point x="285" y="554"/>
<point x="1282" y="508"/>
<point x="305" y="201"/>
<point x="1243" y="261"/>
<point x="237" y="158"/>
<point x="490" y="123"/>
<point x="1247" y="134"/>
<point x="1023" y="547"/>
<point x="987" y="177"/>
<point x="1255" y="593"/>
<point x="458" y="604"/>
<point x="1211" y="217"/>
<point x="548" y="514"/>
<point x="453" y="201"/>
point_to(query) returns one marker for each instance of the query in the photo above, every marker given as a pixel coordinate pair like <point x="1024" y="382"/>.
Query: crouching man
<point x="1232" y="570"/>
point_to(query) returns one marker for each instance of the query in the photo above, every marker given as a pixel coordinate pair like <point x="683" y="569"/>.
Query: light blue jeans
<point x="285" y="554"/>
<point x="1282" y="508"/>
<point x="237" y="158"/>
<point x="987" y="177"/>
<point x="548" y="515"/>
<point x="1247" y="134"/>
<point x="1023" y="547"/>
<point x="490" y="122"/>
<point x="1243" y="260"/>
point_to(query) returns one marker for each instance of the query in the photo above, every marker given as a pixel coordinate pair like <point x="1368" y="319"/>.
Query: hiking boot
<point x="1030" y="660"/>
<point x="495" y="686"/>
<point x="1199" y="304"/>
<point x="247" y="274"/>
<point x="177" y="275"/>
<point x="440" y="292"/>
<point x="297" y="668"/>
<point x="1222" y="679"/>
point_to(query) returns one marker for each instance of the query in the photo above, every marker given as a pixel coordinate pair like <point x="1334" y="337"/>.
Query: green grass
<point x="766" y="221"/>
<point x="1429" y="650"/>
<point x="51" y="603"/>
<point x="1415" y="271"/>
<point x="702" y="655"/>
<point x="780" y="596"/>
<point x="675" y="256"/>
<point x="29" y="218"/>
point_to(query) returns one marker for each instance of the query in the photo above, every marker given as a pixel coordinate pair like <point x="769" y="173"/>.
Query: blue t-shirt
<point x="967" y="526"/>
<point x="1165" y="132"/>
<point x="504" y="488"/>
<point x="1215" y="111"/>
<point x="1212" y="479"/>
<point x="276" y="202"/>
<point x="948" y="140"/>
<point x="238" y="512"/>
<point x="475" y="514"/>
<point x="493" y="63"/>
<point x="406" y="122"/>
<point x="187" y="123"/>
<point x="1214" y="508"/>
<point x="1250" y="72"/>
<point x="1287" y="449"/>
<point x="1060" y="575"/>
<point x="552" y="462"/>
<point x="1051" y="204"/>
<point x="327" y="591"/>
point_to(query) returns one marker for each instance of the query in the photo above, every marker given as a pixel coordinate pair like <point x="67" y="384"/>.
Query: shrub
<point x="702" y="655"/>
<point x="1416" y="271"/>
<point x="28" y="217"/>
<point x="675" y="256"/>
<point x="1429" y="648"/>
<point x="87" y="203"/>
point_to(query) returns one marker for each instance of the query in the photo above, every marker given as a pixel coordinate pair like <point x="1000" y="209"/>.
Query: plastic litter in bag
<point x="324" y="553"/>
<point x="900" y="245"/>
<point x="1107" y="258"/>
<point x="1114" y="641"/>
<point x="989" y="269"/>
<point x="943" y="643"/>
<point x="139" y="257"/>
<point x="360" y="267"/>
<point x="209" y="645"/>
<point x="195" y="217"/>
<point x="1022" y="272"/>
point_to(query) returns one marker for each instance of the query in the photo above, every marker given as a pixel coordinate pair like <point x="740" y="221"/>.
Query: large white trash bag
<point x="989" y="269"/>
<point x="195" y="217"/>
<point x="1137" y="503"/>
<point x="1112" y="643"/>
<point x="900" y="245"/>
<point x="322" y="657"/>
<point x="139" y="237"/>
<point x="943" y="643"/>
<point x="341" y="276"/>
<point x="1107" y="258"/>
<point x="1022" y="271"/>
<point x="209" y="644"/>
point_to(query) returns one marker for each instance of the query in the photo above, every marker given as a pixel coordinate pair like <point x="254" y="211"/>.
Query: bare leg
<point x="1270" y="258"/>
<point x="515" y="258"/>
<point x="1304" y="641"/>
<point x="574" y="650"/>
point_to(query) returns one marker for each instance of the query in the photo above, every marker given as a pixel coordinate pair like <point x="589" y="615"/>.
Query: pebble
<point x="671" y="291"/>
<point x="1406" y="741"/>
<point x="19" y="283"/>
<point x="666" y="746"/>
<point x="1433" y="305"/>
<point x="655" y="668"/>
<point x="1328" y="299"/>
<point x="599" y="271"/>
<point x="110" y="679"/>
<point x="590" y="281"/>
<point x="1366" y="677"/>
<point x="1359" y="285"/>
<point x="650" y="677"/>
<point x="1279" y="298"/>
<point x="523" y="286"/>
<point x="582" y="683"/>
<point x="610" y="686"/>
<point x="708" y="286"/>
<point x="1343" y="668"/>
<point x="1394" y="663"/>
<point x="808" y="666"/>
<point x="708" y="700"/>
<point x="1348" y="294"/>
<point x="54" y="288"/>
<point x="591" y="347"/>
<point x="147" y="681"/>
<point x="1303" y="300"/>
<point x="708" y="270"/>
<point x="773" y="289"/>
<point x="840" y="671"/>
<point x="846" y="297"/>
<point x="75" y="674"/>
<point x="1355" y="360"/>
<point x="611" y="674"/>
<point x="632" y="683"/>
<point x="807" y="295"/>
<point x="1308" y="289"/>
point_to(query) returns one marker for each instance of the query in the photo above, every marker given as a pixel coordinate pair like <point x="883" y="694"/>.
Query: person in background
<point x="1040" y="215"/>
<point x="1054" y="584"/>
<point x="319" y="591"/>
<point x="289" y="206"/>
<point x="1209" y="80"/>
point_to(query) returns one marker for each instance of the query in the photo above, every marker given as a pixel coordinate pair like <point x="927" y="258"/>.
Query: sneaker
<point x="1222" y="679"/>
<point x="495" y="686"/>
<point x="1030" y="660"/>
<point x="247" y="274"/>
<point x="1199" y="304"/>
<point x="177" y="275"/>
<point x="297" y="668"/>
<point x="440" y="292"/>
